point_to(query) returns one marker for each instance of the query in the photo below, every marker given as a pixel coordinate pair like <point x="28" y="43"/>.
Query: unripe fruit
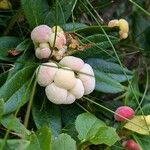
<point x="44" y="45"/>
<point x="131" y="145"/>
<point x="42" y="53"/>
<point x="125" y="112"/>
<point x="123" y="35"/>
<point x="78" y="89"/>
<point x="86" y="75"/>
<point x="46" y="73"/>
<point x="72" y="62"/>
<point x="41" y="33"/>
<point x="59" y="29"/>
<point x="60" y="40"/>
<point x="113" y="23"/>
<point x="65" y="78"/>
<point x="56" y="94"/>
<point x="70" y="98"/>
<point x="123" y="24"/>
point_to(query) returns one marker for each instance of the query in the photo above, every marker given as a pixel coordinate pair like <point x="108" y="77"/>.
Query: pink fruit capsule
<point x="125" y="112"/>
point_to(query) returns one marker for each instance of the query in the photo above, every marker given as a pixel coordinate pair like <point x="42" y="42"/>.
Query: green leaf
<point x="61" y="10"/>
<point x="46" y="113"/>
<point x="14" y="144"/>
<point x="23" y="61"/>
<point x="3" y="77"/>
<point x="130" y="99"/>
<point x="87" y="125"/>
<point x="14" y="83"/>
<point x="94" y="131"/>
<point x="1" y="107"/>
<point x="98" y="38"/>
<point x="94" y="30"/>
<point x="69" y="116"/>
<point x="108" y="75"/>
<point x="105" y="135"/>
<point x="41" y="140"/>
<point x="12" y="123"/>
<point x="143" y="141"/>
<point x="18" y="99"/>
<point x="73" y="26"/>
<point x="64" y="142"/>
<point x="23" y="46"/>
<point x="39" y="12"/>
<point x="145" y="110"/>
<point x="7" y="43"/>
<point x="106" y="84"/>
<point x="35" y="11"/>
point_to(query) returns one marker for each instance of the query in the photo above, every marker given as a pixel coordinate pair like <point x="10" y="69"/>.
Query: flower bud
<point x="125" y="112"/>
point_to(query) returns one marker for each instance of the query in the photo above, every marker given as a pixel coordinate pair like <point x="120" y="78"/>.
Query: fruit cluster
<point x="49" y="42"/>
<point x="66" y="81"/>
<point x="123" y="26"/>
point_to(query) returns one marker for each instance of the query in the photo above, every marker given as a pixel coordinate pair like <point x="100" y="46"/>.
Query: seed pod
<point x="41" y="34"/>
<point x="78" y="89"/>
<point x="42" y="53"/>
<point x="59" y="39"/>
<point x="86" y="75"/>
<point x="46" y="73"/>
<point x="125" y="112"/>
<point x="65" y="78"/>
<point x="72" y="62"/>
<point x="56" y="94"/>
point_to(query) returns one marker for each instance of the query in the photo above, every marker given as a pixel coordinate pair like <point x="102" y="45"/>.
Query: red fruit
<point x="125" y="112"/>
<point x="131" y="145"/>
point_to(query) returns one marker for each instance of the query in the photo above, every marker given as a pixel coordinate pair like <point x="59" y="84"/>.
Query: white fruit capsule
<point x="59" y="29"/>
<point x="70" y="98"/>
<point x="87" y="78"/>
<point x="65" y="78"/>
<point x="44" y="45"/>
<point x="56" y="94"/>
<point x="78" y="89"/>
<point x="59" y="39"/>
<point x="42" y="53"/>
<point x="46" y="73"/>
<point x="72" y="62"/>
<point x="40" y="34"/>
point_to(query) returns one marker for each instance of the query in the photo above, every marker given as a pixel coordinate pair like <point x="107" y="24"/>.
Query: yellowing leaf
<point x="5" y="4"/>
<point x="139" y="125"/>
